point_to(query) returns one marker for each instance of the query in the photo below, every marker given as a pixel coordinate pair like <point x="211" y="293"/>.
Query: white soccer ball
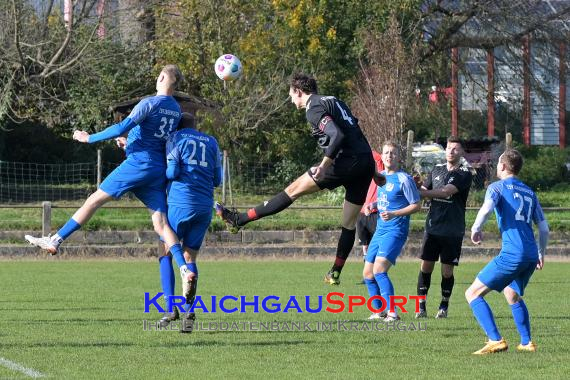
<point x="228" y="67"/>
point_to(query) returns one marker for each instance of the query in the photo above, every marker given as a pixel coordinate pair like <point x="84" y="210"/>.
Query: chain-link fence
<point x="32" y="182"/>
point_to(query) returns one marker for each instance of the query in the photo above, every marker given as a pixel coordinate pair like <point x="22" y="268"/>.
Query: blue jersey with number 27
<point x="156" y="118"/>
<point x="516" y="208"/>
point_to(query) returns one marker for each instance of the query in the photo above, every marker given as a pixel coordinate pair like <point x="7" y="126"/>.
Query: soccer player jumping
<point x="516" y="207"/>
<point x="143" y="172"/>
<point x="347" y="162"/>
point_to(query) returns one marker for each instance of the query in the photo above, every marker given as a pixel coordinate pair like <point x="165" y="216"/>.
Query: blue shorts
<point x="148" y="183"/>
<point x="385" y="244"/>
<point x="190" y="225"/>
<point x="501" y="272"/>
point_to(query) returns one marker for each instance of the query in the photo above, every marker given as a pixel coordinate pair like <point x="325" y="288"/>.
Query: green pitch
<point x="84" y="319"/>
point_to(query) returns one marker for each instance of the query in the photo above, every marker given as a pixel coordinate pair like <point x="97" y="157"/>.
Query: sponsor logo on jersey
<point x="324" y="121"/>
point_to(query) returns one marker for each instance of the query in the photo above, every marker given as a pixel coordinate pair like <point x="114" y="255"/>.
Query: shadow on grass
<point x="71" y="320"/>
<point x="56" y="309"/>
<point x="204" y="343"/>
<point x="65" y="344"/>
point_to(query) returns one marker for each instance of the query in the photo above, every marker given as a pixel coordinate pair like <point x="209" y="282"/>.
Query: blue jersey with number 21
<point x="194" y="168"/>
<point x="156" y="118"/>
<point x="516" y="207"/>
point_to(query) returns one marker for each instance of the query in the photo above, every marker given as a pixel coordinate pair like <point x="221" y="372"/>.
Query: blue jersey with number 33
<point x="156" y="118"/>
<point x="516" y="207"/>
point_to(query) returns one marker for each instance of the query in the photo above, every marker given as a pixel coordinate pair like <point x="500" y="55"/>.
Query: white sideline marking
<point x="16" y="367"/>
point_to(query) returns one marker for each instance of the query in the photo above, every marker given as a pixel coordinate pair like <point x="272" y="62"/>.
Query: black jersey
<point x="446" y="217"/>
<point x="343" y="137"/>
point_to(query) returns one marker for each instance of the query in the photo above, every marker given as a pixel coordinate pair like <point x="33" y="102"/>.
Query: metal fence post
<point x="99" y="167"/>
<point x="46" y="218"/>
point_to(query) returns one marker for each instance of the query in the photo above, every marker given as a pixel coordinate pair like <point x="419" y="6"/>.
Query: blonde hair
<point x="393" y="145"/>
<point x="174" y="74"/>
<point x="513" y="161"/>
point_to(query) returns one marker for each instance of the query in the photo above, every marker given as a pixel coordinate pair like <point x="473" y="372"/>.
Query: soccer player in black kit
<point x="448" y="187"/>
<point x="347" y="162"/>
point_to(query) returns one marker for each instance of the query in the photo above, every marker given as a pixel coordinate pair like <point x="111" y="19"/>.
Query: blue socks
<point x="68" y="228"/>
<point x="386" y="288"/>
<point x="484" y="316"/>
<point x="373" y="290"/>
<point x="193" y="268"/>
<point x="178" y="254"/>
<point x="167" y="279"/>
<point x="522" y="320"/>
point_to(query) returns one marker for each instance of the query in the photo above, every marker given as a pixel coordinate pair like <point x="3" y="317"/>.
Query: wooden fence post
<point x="409" y="150"/>
<point x="508" y="141"/>
<point x="99" y="167"/>
<point x="46" y="218"/>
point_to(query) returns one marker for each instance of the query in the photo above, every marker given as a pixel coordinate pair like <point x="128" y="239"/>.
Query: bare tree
<point x="46" y="59"/>
<point x="384" y="89"/>
<point x="491" y="24"/>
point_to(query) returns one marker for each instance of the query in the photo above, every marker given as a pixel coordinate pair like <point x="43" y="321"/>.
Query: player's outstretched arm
<point x="81" y="136"/>
<point x="111" y="132"/>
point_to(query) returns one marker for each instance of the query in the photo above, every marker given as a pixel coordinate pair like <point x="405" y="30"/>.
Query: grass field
<point x="84" y="319"/>
<point x="292" y="219"/>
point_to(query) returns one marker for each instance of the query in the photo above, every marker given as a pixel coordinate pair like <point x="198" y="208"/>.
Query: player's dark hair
<point x="174" y="74"/>
<point x="303" y="82"/>
<point x="457" y="140"/>
<point x="187" y="121"/>
<point x="513" y="160"/>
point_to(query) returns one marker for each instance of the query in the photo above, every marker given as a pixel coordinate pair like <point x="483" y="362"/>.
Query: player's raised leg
<point x="235" y="220"/>
<point x="81" y="216"/>
<point x="485" y="318"/>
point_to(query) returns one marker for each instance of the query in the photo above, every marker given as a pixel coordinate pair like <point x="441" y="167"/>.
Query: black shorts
<point x="365" y="227"/>
<point x="352" y="172"/>
<point x="448" y="248"/>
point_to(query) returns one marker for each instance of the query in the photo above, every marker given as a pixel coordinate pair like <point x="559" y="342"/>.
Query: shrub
<point x="544" y="167"/>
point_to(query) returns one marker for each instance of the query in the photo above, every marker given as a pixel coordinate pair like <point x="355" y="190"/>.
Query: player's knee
<point x="447" y="271"/>
<point x="96" y="200"/>
<point x="427" y="266"/>
<point x="470" y="295"/>
<point x="158" y="222"/>
<point x="294" y="190"/>
<point x="349" y="221"/>
<point x="511" y="296"/>
<point x="367" y="273"/>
